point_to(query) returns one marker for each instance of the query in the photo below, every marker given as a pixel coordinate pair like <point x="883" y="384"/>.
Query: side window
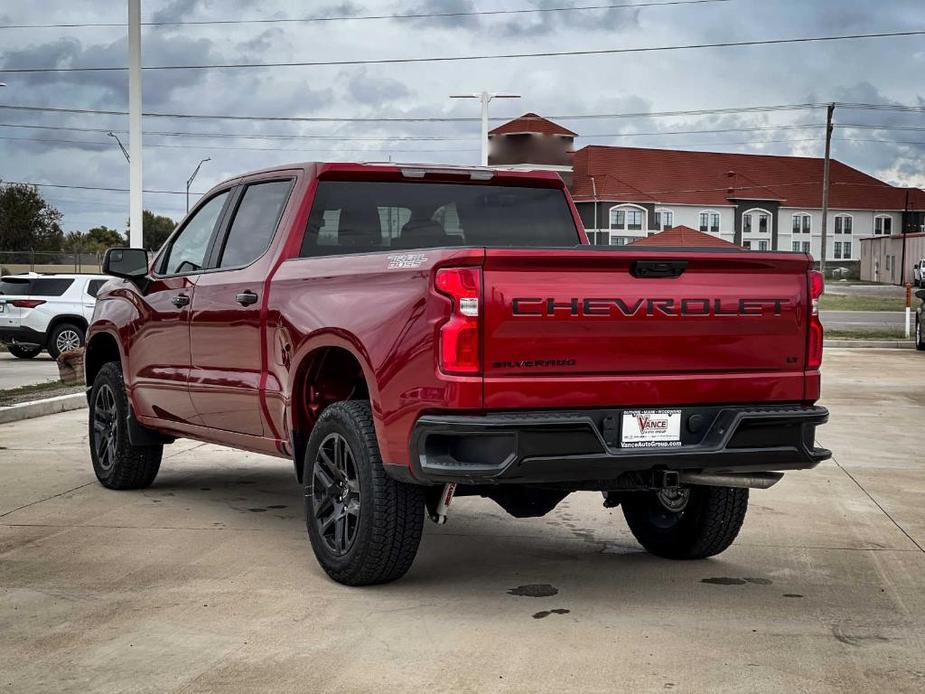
<point x="187" y="253"/>
<point x="50" y="287"/>
<point x="94" y="286"/>
<point x="255" y="222"/>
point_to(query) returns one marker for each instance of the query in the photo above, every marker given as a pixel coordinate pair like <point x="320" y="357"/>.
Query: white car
<point x="39" y="311"/>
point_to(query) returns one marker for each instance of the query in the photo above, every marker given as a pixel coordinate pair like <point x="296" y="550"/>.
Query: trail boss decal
<point x="551" y="307"/>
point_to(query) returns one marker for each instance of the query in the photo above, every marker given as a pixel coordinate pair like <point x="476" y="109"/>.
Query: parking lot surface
<point x="26" y="372"/>
<point x="206" y="581"/>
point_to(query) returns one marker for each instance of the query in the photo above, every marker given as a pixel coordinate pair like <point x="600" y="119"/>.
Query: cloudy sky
<point x="73" y="149"/>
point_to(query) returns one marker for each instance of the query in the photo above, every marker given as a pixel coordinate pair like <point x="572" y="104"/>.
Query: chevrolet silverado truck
<point x="407" y="334"/>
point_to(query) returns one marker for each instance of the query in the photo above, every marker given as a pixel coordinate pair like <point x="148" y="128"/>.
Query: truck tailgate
<point x="644" y="327"/>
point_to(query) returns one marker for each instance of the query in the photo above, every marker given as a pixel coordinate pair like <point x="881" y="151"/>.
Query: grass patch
<point x="865" y="334"/>
<point x="35" y="391"/>
<point x="846" y="302"/>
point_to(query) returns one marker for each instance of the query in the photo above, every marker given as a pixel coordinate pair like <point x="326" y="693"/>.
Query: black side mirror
<point x="128" y="263"/>
<point x="921" y="294"/>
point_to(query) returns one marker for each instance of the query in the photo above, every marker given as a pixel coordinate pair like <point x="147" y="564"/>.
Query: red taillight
<point x="26" y="303"/>
<point x="814" y="346"/>
<point x="459" y="336"/>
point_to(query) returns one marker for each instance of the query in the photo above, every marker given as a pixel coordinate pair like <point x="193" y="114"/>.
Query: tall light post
<point x="486" y="98"/>
<point x="190" y="180"/>
<point x="135" y="202"/>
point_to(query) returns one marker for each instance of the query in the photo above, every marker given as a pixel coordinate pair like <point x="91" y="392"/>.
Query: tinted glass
<point x="93" y="287"/>
<point x="188" y="251"/>
<point x="255" y="222"/>
<point x="38" y="286"/>
<point x="361" y="216"/>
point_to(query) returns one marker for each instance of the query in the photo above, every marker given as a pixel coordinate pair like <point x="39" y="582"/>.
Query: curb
<point x="40" y="408"/>
<point x="870" y="344"/>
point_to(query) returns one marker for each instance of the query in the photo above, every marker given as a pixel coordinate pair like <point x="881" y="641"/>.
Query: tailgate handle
<point x="658" y="268"/>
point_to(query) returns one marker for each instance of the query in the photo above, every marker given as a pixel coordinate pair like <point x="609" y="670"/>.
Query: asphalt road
<point x="205" y="582"/>
<point x="24" y="372"/>
<point x="864" y="320"/>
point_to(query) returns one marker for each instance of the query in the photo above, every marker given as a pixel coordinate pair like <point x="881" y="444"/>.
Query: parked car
<point x="918" y="273"/>
<point x="405" y="334"/>
<point x="46" y="311"/>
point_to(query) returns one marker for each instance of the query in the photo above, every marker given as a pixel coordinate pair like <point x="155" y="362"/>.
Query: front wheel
<point x="364" y="526"/>
<point x="23" y="352"/>
<point x="687" y="522"/>
<point x="117" y="463"/>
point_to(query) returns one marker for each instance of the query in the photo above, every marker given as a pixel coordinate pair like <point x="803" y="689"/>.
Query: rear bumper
<point x="23" y="335"/>
<point x="584" y="446"/>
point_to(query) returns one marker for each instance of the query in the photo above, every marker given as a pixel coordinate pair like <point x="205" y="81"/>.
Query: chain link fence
<point x="15" y="262"/>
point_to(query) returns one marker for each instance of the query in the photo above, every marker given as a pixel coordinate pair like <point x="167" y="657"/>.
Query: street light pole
<point x="190" y="180"/>
<point x="134" y="125"/>
<point x="485" y="98"/>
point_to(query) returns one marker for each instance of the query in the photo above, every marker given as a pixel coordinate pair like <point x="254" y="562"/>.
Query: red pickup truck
<point x="407" y="333"/>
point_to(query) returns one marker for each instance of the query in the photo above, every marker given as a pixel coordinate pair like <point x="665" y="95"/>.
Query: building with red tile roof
<point x="683" y="237"/>
<point x="758" y="201"/>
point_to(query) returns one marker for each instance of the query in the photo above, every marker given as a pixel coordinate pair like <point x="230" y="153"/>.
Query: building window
<point x="756" y="221"/>
<point x="762" y="245"/>
<point x="598" y="237"/>
<point x="802" y="224"/>
<point x="883" y="225"/>
<point x="843" y="223"/>
<point x="664" y="219"/>
<point x="795" y="246"/>
<point x="709" y="221"/>
<point x="838" y="250"/>
<point x="747" y="245"/>
<point x="627" y="218"/>
<point x="846" y="246"/>
<point x="806" y="247"/>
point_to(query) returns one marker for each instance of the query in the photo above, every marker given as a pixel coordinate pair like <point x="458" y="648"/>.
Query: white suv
<point x="39" y="311"/>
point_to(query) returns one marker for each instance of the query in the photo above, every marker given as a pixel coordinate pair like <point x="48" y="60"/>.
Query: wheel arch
<point x="328" y="369"/>
<point x="101" y="347"/>
<point x="77" y="320"/>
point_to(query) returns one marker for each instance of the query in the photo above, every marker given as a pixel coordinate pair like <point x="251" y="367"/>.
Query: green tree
<point x="27" y="221"/>
<point x="96" y="240"/>
<point x="155" y="229"/>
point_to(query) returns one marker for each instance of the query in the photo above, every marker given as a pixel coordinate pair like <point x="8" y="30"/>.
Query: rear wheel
<point x="687" y="522"/>
<point x="117" y="463"/>
<point x="364" y="526"/>
<point x="24" y="352"/>
<point x="64" y="338"/>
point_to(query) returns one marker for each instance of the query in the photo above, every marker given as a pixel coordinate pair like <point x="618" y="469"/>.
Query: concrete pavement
<point x="206" y="581"/>
<point x="26" y="372"/>
<point x="864" y="320"/>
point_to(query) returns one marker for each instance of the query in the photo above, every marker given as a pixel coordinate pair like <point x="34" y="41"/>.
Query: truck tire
<point x="65" y="337"/>
<point x="364" y="526"/>
<point x="919" y="338"/>
<point x="117" y="463"/>
<point x="23" y="352"/>
<point x="689" y="523"/>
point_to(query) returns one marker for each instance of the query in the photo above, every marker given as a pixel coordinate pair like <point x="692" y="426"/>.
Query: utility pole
<point x="189" y="181"/>
<point x="830" y="112"/>
<point x="134" y="125"/>
<point x="486" y="98"/>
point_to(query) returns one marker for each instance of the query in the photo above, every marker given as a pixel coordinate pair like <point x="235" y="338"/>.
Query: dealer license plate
<point x="651" y="429"/>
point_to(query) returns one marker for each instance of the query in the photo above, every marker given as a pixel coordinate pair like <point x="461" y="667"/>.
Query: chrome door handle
<point x="180" y="300"/>
<point x="246" y="298"/>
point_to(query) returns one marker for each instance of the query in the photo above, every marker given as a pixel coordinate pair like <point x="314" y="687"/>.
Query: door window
<point x="187" y="252"/>
<point x="94" y="286"/>
<point x="254" y="222"/>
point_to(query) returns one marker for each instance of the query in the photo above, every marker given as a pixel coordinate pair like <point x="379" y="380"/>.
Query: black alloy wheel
<point x="105" y="425"/>
<point x="336" y="498"/>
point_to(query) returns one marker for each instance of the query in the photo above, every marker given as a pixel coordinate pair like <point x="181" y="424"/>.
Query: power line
<point x="354" y="18"/>
<point x="469" y="58"/>
<point x="423" y="119"/>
